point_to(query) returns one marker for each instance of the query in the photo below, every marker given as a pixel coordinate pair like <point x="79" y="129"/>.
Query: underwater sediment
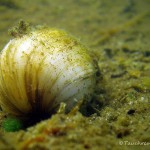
<point x="117" y="35"/>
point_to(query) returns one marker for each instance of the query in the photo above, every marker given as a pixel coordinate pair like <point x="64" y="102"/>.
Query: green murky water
<point x="117" y="34"/>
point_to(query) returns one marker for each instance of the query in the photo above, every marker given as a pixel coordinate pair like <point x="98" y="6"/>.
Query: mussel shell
<point x="43" y="68"/>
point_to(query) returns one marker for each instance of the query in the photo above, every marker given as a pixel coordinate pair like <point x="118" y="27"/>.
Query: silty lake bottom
<point x="117" y="35"/>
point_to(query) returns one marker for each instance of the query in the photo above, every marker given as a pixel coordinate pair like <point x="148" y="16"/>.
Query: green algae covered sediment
<point x="118" y="35"/>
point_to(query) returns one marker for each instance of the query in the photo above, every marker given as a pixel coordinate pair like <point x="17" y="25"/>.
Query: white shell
<point x="40" y="70"/>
